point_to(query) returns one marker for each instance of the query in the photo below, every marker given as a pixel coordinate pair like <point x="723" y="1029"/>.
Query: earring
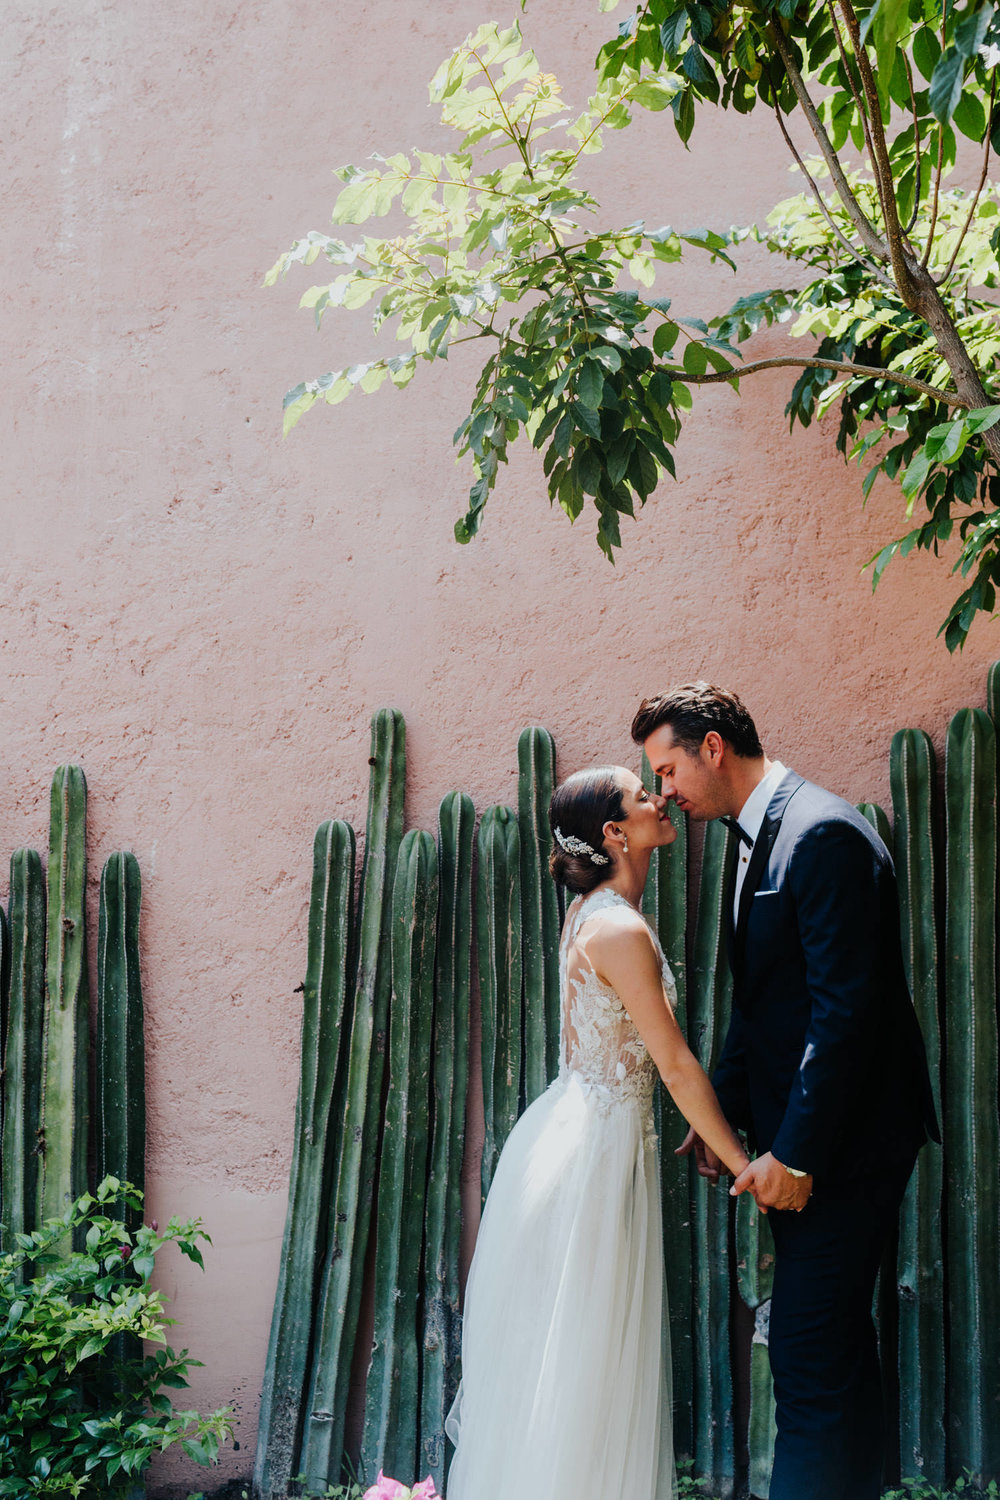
<point x="625" y="845"/>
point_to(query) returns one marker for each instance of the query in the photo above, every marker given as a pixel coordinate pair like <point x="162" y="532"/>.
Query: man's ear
<point x="715" y="747"/>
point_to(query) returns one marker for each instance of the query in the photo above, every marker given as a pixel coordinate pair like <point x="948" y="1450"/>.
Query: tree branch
<point x="880" y="159"/>
<point x="840" y="367"/>
<point x="870" y="236"/>
<point x="870" y="266"/>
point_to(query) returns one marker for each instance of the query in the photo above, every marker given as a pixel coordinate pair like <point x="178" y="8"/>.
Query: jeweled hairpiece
<point x="573" y="845"/>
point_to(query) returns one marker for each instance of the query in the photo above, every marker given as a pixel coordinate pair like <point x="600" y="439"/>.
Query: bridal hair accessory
<point x="573" y="845"/>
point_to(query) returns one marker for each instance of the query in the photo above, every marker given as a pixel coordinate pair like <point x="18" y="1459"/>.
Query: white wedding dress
<point x="565" y="1359"/>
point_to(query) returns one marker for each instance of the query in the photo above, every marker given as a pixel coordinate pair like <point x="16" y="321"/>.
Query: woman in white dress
<point x="565" y="1361"/>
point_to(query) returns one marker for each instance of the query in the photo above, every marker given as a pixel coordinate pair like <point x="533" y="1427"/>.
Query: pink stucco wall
<point x="205" y="616"/>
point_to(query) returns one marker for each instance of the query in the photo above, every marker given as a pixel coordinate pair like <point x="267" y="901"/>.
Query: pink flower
<point x="386" y="1489"/>
<point x="391" y="1489"/>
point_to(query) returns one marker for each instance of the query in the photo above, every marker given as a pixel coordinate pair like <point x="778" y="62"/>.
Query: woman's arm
<point x="624" y="956"/>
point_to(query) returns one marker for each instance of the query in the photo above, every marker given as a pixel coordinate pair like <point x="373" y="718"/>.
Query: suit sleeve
<point x="730" y="1077"/>
<point x="834" y="874"/>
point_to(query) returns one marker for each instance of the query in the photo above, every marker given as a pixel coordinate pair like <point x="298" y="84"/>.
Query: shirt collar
<point x="751" y="814"/>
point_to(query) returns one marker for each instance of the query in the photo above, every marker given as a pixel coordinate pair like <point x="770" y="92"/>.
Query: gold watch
<point x="794" y="1172"/>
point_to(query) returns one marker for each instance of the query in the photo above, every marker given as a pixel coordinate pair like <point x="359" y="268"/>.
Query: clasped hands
<point x="765" y="1178"/>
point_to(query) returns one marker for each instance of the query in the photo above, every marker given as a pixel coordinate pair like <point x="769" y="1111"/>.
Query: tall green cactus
<point x="876" y="816"/>
<point x="920" y="1261"/>
<point x="456" y="838"/>
<point x="498" y="943"/>
<point x="22" y="1070"/>
<point x="755" y="1279"/>
<point x="536" y="761"/>
<point x="709" y="1000"/>
<point x="664" y="903"/>
<point x="121" y="1057"/>
<point x="64" y="1104"/>
<point x="993" y="693"/>
<point x="325" y="1002"/>
<point x="392" y="1399"/>
<point x="972" y="1134"/>
<point x="354" y="1170"/>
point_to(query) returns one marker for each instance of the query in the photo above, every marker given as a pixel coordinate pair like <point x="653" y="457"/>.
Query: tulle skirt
<point x="565" y="1359"/>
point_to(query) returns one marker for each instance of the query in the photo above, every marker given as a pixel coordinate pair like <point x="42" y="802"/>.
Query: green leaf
<point x="926" y="51"/>
<point x="672" y="31"/>
<point x="971" y="30"/>
<point x="946" y="85"/>
<point x="916" y="474"/>
<point x="695" y="358"/>
<point x="970" y="117"/>
<point x="697" y="67"/>
<point x="587" y="469"/>
<point x="891" y="16"/>
<point x="665" y="337"/>
<point x="589" y="385"/>
<point x="618" y="457"/>
<point x="982" y="418"/>
<point x="586" y="418"/>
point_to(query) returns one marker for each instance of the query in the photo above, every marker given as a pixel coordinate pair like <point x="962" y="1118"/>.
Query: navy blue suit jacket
<point x="824" y="1063"/>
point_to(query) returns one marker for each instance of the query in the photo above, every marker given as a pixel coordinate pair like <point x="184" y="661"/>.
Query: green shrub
<point x="82" y="1408"/>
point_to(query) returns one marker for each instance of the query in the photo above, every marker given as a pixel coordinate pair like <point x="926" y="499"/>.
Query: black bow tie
<point x="739" y="831"/>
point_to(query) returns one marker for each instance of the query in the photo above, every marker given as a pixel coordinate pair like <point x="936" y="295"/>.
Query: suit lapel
<point x="759" y="856"/>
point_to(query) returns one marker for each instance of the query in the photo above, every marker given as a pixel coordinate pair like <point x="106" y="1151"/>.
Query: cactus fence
<point x="383" y="1096"/>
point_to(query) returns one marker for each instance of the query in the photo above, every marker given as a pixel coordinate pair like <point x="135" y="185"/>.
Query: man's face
<point x="692" y="781"/>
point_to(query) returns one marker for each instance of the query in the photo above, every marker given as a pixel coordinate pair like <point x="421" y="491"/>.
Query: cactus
<point x="121" y="1076"/>
<point x="755" y="1278"/>
<point x="63" y="1113"/>
<point x="709" y="998"/>
<point x="354" y="1169"/>
<point x="762" y="1425"/>
<point x="875" y="815"/>
<point x="971" y="1127"/>
<point x="920" y="1267"/>
<point x="498" y="942"/>
<point x="664" y="903"/>
<point x="536" y="760"/>
<point x="456" y="836"/>
<point x="391" y="1413"/>
<point x="324" y="1002"/>
<point x="22" y="1071"/>
<point x="993" y="693"/>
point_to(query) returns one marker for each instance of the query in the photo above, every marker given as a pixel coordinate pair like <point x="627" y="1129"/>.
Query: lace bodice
<point x="599" y="1041"/>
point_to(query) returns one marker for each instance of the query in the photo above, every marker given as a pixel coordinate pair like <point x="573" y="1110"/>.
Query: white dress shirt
<point x="751" y="816"/>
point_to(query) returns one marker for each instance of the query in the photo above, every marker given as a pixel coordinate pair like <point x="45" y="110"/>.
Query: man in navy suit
<point x="823" y="1069"/>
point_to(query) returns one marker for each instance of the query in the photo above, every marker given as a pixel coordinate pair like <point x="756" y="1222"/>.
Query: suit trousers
<point x="822" y="1341"/>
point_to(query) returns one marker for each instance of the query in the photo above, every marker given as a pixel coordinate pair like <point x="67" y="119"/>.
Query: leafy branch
<point x="499" y="243"/>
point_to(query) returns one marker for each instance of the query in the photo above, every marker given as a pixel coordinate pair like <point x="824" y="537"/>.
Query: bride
<point x="565" y="1361"/>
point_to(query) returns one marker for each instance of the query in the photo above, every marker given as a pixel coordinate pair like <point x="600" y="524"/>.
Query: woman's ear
<point x="614" y="832"/>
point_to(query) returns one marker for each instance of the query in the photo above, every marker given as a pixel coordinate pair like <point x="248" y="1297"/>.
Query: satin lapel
<point x="728" y="887"/>
<point x="759" y="856"/>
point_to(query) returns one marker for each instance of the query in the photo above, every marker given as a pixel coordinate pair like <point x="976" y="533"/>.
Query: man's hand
<point x="709" y="1165"/>
<point x="772" y="1186"/>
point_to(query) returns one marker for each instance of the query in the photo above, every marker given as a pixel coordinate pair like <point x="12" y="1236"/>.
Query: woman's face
<point x="645" y="815"/>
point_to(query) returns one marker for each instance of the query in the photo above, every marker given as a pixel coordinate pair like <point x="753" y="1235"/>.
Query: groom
<point x="823" y="1068"/>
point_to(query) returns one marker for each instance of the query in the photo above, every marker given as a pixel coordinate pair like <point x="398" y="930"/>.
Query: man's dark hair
<point x="693" y="710"/>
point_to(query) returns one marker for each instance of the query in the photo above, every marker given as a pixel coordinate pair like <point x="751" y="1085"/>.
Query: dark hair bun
<point x="579" y="809"/>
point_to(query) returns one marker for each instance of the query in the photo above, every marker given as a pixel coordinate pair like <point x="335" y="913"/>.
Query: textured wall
<point x="205" y="616"/>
